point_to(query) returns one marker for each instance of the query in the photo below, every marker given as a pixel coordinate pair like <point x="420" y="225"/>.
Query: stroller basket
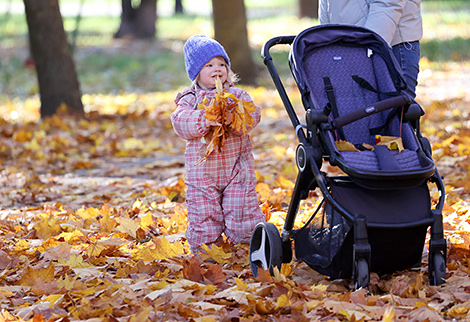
<point x="377" y="214"/>
<point x="397" y="224"/>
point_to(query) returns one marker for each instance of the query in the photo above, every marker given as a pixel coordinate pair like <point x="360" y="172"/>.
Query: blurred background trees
<point x="57" y="78"/>
<point x="131" y="63"/>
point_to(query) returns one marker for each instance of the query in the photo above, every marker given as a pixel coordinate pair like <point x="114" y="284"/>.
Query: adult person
<point x="397" y="21"/>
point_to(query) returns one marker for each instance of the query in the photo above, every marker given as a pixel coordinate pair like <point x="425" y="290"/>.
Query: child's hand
<point x="215" y="122"/>
<point x="228" y="117"/>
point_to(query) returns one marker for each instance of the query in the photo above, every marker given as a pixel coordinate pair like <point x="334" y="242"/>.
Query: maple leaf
<point x="282" y="301"/>
<point x="216" y="253"/>
<point x="343" y="145"/>
<point x="32" y="274"/>
<point x="159" y="248"/>
<point x="127" y="225"/>
<point x="192" y="269"/>
<point x="242" y="118"/>
<point x="63" y="250"/>
<point x="392" y="142"/>
<point x="74" y="261"/>
<point x="47" y="227"/>
<point x="213" y="110"/>
<point x="88" y="213"/>
<point x="215" y="274"/>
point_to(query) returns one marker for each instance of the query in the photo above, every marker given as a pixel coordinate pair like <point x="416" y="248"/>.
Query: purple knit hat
<point x="200" y="49"/>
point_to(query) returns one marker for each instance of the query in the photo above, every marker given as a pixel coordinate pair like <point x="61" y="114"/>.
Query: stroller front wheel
<point x="437" y="269"/>
<point x="265" y="248"/>
<point x="361" y="274"/>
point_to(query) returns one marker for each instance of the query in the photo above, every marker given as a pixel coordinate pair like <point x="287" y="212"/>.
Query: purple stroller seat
<point x="350" y="71"/>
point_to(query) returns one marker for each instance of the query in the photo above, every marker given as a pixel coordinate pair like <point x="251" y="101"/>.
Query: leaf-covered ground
<point x="93" y="219"/>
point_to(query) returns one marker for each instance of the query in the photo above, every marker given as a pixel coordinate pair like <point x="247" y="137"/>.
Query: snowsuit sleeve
<point x="188" y="122"/>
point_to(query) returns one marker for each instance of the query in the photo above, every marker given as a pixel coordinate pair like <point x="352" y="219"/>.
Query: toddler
<point x="220" y="193"/>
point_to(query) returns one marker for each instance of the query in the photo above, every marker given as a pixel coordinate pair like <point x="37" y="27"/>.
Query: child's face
<point x="215" y="67"/>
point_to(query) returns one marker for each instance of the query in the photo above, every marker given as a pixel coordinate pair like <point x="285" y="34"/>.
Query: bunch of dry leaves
<point x="225" y="111"/>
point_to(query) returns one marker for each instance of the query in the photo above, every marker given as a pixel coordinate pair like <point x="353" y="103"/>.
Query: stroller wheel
<point x="361" y="274"/>
<point x="265" y="248"/>
<point x="437" y="269"/>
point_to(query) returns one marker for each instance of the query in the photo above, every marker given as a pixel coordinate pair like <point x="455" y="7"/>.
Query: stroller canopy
<point x="345" y="35"/>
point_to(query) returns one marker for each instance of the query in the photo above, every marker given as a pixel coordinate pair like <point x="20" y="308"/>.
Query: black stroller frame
<point x="357" y="253"/>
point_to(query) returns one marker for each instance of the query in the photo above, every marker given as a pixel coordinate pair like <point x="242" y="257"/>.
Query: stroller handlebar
<point x="268" y="61"/>
<point x="280" y="40"/>
<point x="380" y="106"/>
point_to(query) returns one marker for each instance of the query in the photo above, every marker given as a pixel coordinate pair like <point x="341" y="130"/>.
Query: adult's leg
<point x="408" y="55"/>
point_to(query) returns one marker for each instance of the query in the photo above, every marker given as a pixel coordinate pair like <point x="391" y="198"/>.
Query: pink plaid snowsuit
<point x="220" y="194"/>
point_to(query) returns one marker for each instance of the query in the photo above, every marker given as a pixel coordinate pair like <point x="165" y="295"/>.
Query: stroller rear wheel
<point x="265" y="248"/>
<point x="437" y="269"/>
<point x="361" y="274"/>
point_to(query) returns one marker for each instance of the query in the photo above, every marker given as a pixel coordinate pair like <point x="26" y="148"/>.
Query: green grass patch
<point x="455" y="49"/>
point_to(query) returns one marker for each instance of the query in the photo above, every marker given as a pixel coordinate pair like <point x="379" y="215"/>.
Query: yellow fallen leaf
<point x="31" y="274"/>
<point x="131" y="144"/>
<point x="284" y="183"/>
<point x="321" y="287"/>
<point x="241" y="285"/>
<point x="33" y="145"/>
<point x="48" y="226"/>
<point x="95" y="249"/>
<point x="66" y="282"/>
<point x="282" y="301"/>
<point x="392" y="142"/>
<point x="216" y="253"/>
<point x="342" y="145"/>
<point x="345" y="313"/>
<point x="127" y="226"/>
<point x="141" y="316"/>
<point x="70" y="236"/>
<point x="389" y="315"/>
<point x="147" y="220"/>
<point x="262" y="308"/>
<point x="88" y="213"/>
<point x="74" y="261"/>
<point x="159" y="248"/>
<point x="53" y="299"/>
<point x="21" y="245"/>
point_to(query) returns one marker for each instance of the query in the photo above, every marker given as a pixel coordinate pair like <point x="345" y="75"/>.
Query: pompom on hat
<point x="200" y="49"/>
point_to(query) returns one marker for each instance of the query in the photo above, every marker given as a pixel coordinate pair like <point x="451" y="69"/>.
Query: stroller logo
<point x="337" y="58"/>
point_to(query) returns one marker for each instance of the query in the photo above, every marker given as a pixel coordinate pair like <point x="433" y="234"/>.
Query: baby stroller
<point x="376" y="214"/>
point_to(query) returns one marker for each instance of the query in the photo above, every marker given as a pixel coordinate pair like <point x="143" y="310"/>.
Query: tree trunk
<point x="55" y="68"/>
<point x="308" y="9"/>
<point x="230" y="30"/>
<point x="179" y="6"/>
<point x="138" y="22"/>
